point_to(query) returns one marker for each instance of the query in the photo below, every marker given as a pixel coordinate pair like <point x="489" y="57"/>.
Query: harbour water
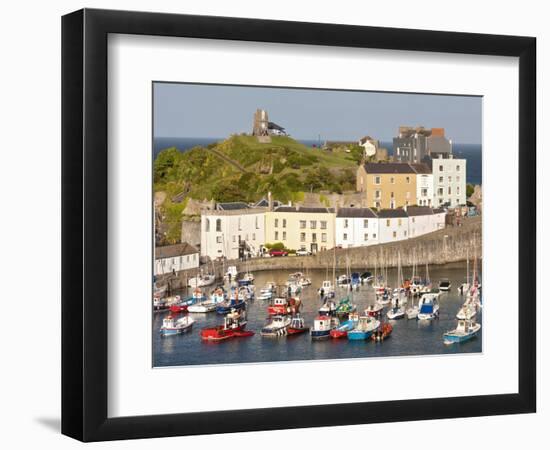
<point x="409" y="337"/>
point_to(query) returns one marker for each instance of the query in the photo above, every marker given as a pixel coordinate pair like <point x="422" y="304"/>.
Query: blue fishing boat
<point x="322" y="326"/>
<point x="364" y="328"/>
<point x="344" y="328"/>
<point x="465" y="330"/>
<point x="235" y="303"/>
<point x="355" y="279"/>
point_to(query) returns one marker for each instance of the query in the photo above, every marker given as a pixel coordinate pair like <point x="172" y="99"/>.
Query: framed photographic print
<point x="274" y="224"/>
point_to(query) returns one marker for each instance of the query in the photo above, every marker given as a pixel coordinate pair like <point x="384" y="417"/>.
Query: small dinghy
<point x="383" y="332"/>
<point x="445" y="285"/>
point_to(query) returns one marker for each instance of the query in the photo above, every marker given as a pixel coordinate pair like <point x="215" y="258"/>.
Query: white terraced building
<point x="173" y="258"/>
<point x="232" y="230"/>
<point x="356" y="227"/>
<point x="449" y="177"/>
<point x="393" y="225"/>
<point x="422" y="220"/>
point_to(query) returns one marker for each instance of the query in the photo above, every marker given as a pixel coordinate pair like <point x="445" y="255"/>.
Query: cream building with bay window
<point x="308" y="228"/>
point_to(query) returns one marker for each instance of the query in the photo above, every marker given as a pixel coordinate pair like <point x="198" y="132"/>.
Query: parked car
<point x="303" y="252"/>
<point x="275" y="252"/>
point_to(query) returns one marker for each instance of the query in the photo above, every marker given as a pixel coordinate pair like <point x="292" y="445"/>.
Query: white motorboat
<point x="231" y="273"/>
<point x="396" y="313"/>
<point x="326" y="289"/>
<point x="203" y="307"/>
<point x="465" y="330"/>
<point x="170" y="326"/>
<point x="201" y="280"/>
<point x="276" y="326"/>
<point x="428" y="307"/>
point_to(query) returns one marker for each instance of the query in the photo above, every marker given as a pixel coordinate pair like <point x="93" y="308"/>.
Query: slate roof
<point x="304" y="209"/>
<point x="421" y="168"/>
<point x="419" y="211"/>
<point x="439" y="210"/>
<point x="356" y="212"/>
<point x="230" y="206"/>
<point x="392" y="213"/>
<point x="171" y="251"/>
<point x="383" y="168"/>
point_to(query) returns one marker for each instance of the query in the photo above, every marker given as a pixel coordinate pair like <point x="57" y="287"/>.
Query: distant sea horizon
<point x="470" y="152"/>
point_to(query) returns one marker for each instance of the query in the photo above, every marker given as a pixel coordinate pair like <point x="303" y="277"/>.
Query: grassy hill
<point x="285" y="167"/>
<point x="243" y="169"/>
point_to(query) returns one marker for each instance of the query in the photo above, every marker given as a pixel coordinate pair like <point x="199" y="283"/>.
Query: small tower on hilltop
<point x="261" y="123"/>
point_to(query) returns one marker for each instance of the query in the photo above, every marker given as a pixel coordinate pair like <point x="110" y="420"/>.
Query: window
<point x="387" y="222"/>
<point x="366" y="223"/>
<point x="276" y="223"/>
<point x="240" y="224"/>
<point x="234" y="238"/>
<point x="256" y="221"/>
<point x="377" y="180"/>
<point x="345" y="237"/>
<point x="218" y="224"/>
<point x="346" y="223"/>
<point x="392" y="180"/>
<point x="323" y="224"/>
<point x="441" y="168"/>
<point x="408" y="179"/>
<point x="366" y="237"/>
<point x="458" y="179"/>
<point x="284" y="235"/>
<point x="441" y="179"/>
<point x="218" y="239"/>
<point x="414" y="219"/>
<point x="302" y="237"/>
<point x="424" y="192"/>
<point x="394" y="234"/>
<point x="450" y="179"/>
<point x="253" y="236"/>
<point x="207" y="225"/>
<point x="374" y="235"/>
<point x="458" y="168"/>
<point x="392" y="195"/>
<point x="399" y="222"/>
<point x="405" y="233"/>
<point x="313" y="237"/>
<point x="276" y="235"/>
<point x="313" y="224"/>
<point x="284" y="223"/>
<point x="187" y="258"/>
<point x="302" y="224"/>
<point x="377" y="204"/>
<point x="440" y="192"/>
<point x="377" y="194"/>
<point x="457" y="190"/>
<point x="324" y="237"/>
<point x="449" y="190"/>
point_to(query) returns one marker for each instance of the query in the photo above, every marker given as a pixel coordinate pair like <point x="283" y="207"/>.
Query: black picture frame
<point x="84" y="224"/>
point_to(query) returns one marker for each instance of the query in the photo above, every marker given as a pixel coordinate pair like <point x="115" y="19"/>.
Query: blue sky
<point x="194" y="110"/>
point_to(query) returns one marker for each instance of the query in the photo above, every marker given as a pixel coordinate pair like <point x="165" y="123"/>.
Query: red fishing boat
<point x="233" y="326"/>
<point x="383" y="332"/>
<point x="283" y="306"/>
<point x="297" y="326"/>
